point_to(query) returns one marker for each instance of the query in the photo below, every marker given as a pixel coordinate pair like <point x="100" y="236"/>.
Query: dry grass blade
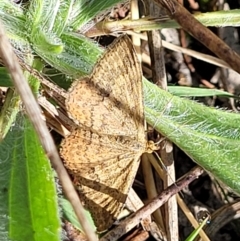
<point x="46" y="140"/>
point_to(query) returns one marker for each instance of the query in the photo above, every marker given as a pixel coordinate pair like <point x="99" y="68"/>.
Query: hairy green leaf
<point x="209" y="136"/>
<point x="29" y="208"/>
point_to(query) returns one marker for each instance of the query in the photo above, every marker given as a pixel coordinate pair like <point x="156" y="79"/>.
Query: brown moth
<point x="102" y="155"/>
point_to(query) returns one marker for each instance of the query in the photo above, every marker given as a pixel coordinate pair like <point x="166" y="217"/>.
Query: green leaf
<point x="85" y="10"/>
<point x="43" y="28"/>
<point x="5" y="79"/>
<point x="29" y="208"/>
<point x="14" y="21"/>
<point x="78" y="57"/>
<point x="70" y="215"/>
<point x="12" y="102"/>
<point x="9" y="111"/>
<point x="197" y="92"/>
<point x="209" y="136"/>
<point x="195" y="232"/>
<point x="51" y="16"/>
